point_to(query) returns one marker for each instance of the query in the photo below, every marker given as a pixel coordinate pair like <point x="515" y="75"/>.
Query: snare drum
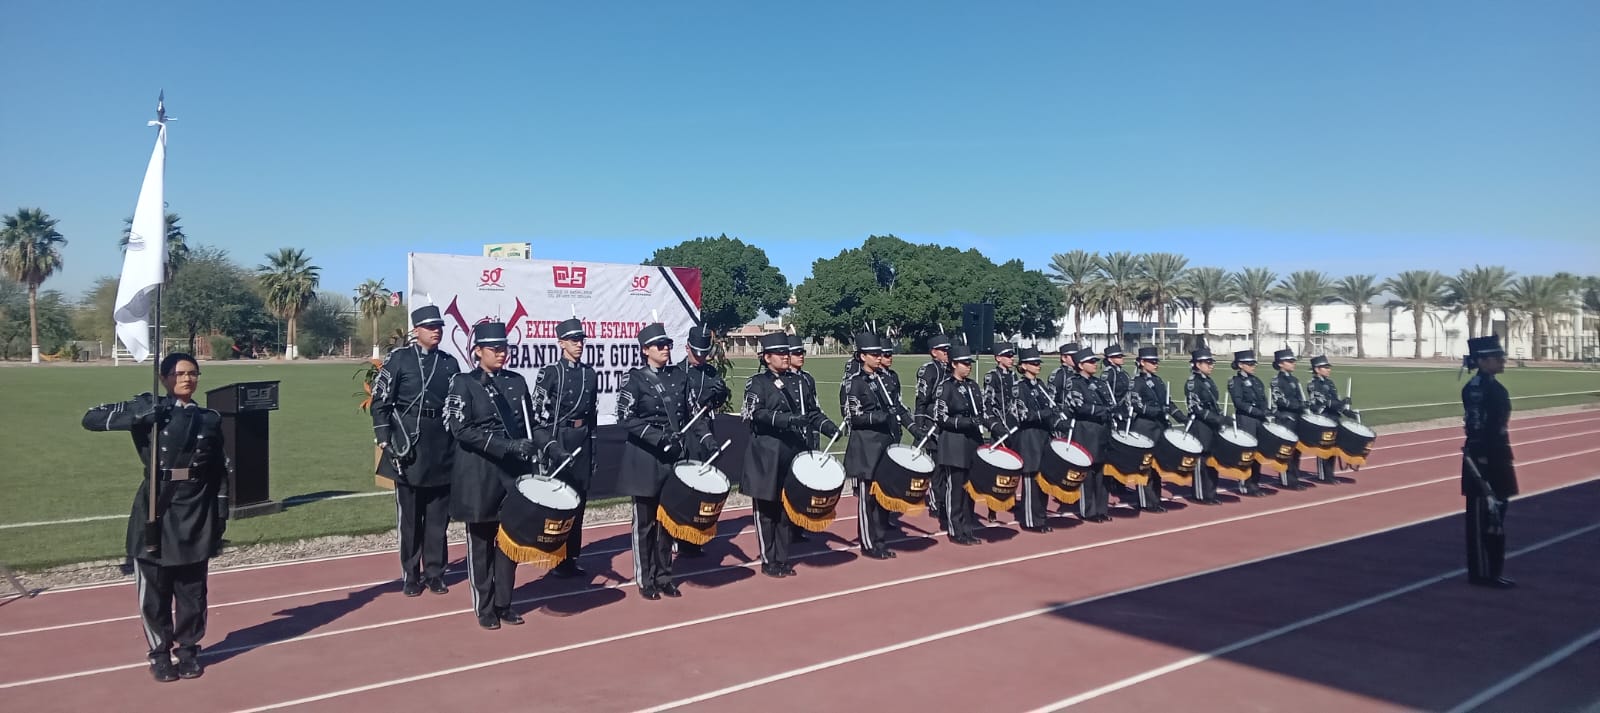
<point x="691" y="501"/>
<point x="994" y="477"/>
<point x="1176" y="455"/>
<point x="1063" y="469"/>
<point x="1275" y="444"/>
<point x="1318" y="435"/>
<point x="1233" y="453"/>
<point x="901" y="482"/>
<point x="535" y="520"/>
<point x="1354" y="442"/>
<point x="811" y="492"/>
<point x="1128" y="458"/>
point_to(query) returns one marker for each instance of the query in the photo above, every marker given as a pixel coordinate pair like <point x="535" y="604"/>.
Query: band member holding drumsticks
<point x="1325" y="400"/>
<point x="1205" y="417"/>
<point x="959" y="419"/>
<point x="1250" y="406"/>
<point x="930" y="381"/>
<point x="1152" y="409"/>
<point x="777" y="434"/>
<point x="1488" y="475"/>
<point x="706" y="390"/>
<point x="1034" y="413"/>
<point x="1288" y="402"/>
<point x="564" y="414"/>
<point x="805" y="386"/>
<point x="485" y="412"/>
<point x="1089" y="402"/>
<point x="1121" y="386"/>
<point x="653" y="405"/>
<point x="999" y="397"/>
<point x="874" y="426"/>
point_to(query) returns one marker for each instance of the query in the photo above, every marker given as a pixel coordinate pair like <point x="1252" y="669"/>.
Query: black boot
<point x="161" y="668"/>
<point x="189" y="663"/>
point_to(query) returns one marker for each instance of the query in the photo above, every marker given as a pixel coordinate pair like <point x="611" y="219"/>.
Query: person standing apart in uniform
<point x="1153" y="414"/>
<point x="777" y="433"/>
<point x="707" y="391"/>
<point x="653" y="405"/>
<point x="193" y="476"/>
<point x="408" y="397"/>
<point x="1035" y="416"/>
<point x="486" y="411"/>
<point x="874" y="426"/>
<point x="1205" y="417"/>
<point x="1288" y="402"/>
<point x="565" y="412"/>
<point x="1325" y="400"/>
<point x="930" y="381"/>
<point x="959" y="417"/>
<point x="999" y="397"/>
<point x="1488" y="471"/>
<point x="1250" y="405"/>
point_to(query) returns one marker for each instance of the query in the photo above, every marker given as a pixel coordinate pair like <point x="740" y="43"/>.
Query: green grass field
<point x="53" y="469"/>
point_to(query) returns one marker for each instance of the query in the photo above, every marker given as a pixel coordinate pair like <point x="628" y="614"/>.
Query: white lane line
<point x="1290" y="628"/>
<point x="1458" y="403"/>
<point x="988" y="625"/>
<point x="796" y="602"/>
<point x="1532" y="670"/>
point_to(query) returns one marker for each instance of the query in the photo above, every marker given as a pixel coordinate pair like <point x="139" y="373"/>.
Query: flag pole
<point x="152" y="523"/>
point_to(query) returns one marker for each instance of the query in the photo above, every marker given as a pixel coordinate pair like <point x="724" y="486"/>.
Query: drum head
<point x="1184" y="441"/>
<point x="1318" y="420"/>
<point x="550" y="493"/>
<point x="911" y="458"/>
<point x="817" y="470"/>
<point x="1002" y="457"/>
<point x="702" y="478"/>
<point x="1070" y="452"/>
<point x="1358" y="428"/>
<point x="1281" y="431"/>
<point x="1237" y="437"/>
<point x="1133" y="440"/>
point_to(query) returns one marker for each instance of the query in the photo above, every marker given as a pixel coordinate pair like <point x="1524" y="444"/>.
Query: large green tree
<point x="54" y="323"/>
<point x="328" y="321"/>
<point x="1076" y="274"/>
<point x="1416" y="291"/>
<point x="95" y="316"/>
<point x="1161" y="278"/>
<point x="1254" y="286"/>
<point x="1305" y="289"/>
<point x="1358" y="291"/>
<point x="213" y="295"/>
<point x="30" y="252"/>
<point x="288" y="283"/>
<point x="737" y="281"/>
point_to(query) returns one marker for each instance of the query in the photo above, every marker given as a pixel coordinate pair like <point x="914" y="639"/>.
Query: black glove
<point x="714" y="398"/>
<point x="781" y="420"/>
<point x="1213" y="420"/>
<point x="830" y="430"/>
<point x="558" y="454"/>
<point x="672" y="444"/>
<point x="144" y="408"/>
<point x="524" y="449"/>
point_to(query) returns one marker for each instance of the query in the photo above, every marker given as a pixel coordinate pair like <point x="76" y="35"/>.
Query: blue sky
<point x="1412" y="134"/>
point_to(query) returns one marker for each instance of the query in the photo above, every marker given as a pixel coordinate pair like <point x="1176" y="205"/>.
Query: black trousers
<point x="1251" y="484"/>
<point x="1149" y="494"/>
<point x="1031" y="501"/>
<point x="1325" y="470"/>
<point x="871" y="519"/>
<point x="773" y="532"/>
<point x="578" y="475"/>
<point x="1205" y="481"/>
<point x="423" y="514"/>
<point x="936" y="495"/>
<point x="1291" y="475"/>
<point x="492" y="574"/>
<point x="652" y="546"/>
<point x="165" y="591"/>
<point x="958" y="515"/>
<point x="1094" y="499"/>
<point x="1486" y="543"/>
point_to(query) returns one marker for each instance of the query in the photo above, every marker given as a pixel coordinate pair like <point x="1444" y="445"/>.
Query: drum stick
<point x="706" y="466"/>
<point x="924" y="440"/>
<point x="828" y="447"/>
<point x="697" y="416"/>
<point x="564" y="464"/>
<point x="1002" y="440"/>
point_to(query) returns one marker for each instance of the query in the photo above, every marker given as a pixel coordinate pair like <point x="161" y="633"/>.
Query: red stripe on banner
<point x="689" y="277"/>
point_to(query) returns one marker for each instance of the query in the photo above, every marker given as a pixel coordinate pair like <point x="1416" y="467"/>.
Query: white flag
<point x="145" y="260"/>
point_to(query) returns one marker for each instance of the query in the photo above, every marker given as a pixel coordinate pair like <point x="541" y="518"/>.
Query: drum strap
<point x="501" y="406"/>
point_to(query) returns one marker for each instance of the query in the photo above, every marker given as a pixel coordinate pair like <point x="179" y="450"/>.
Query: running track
<point x="1335" y="598"/>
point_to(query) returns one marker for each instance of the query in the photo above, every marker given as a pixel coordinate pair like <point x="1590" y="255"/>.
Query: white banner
<point x="614" y="301"/>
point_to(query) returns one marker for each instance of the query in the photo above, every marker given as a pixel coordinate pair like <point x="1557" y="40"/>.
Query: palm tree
<point x="1358" y="291"/>
<point x="1254" y="286"/>
<point x="177" y="247"/>
<point x="1076" y="273"/>
<point x="1162" y="276"/>
<point x="373" y="300"/>
<point x="1539" y="297"/>
<point x="1416" y="291"/>
<point x="1119" y="272"/>
<point x="30" y="252"/>
<point x="1478" y="292"/>
<point x="1305" y="289"/>
<point x="289" y="283"/>
<point x="1205" y="288"/>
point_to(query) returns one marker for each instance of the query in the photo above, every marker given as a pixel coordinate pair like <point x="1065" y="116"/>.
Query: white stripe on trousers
<point x="472" y="573"/>
<point x="638" y="564"/>
<point x="150" y="635"/>
<point x="761" y="539"/>
<point x="863" y="526"/>
<point x="949" y="503"/>
<point x="400" y="526"/>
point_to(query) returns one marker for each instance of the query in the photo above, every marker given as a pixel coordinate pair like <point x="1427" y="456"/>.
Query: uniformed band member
<point x="930" y="380"/>
<point x="1488" y="473"/>
<point x="192" y="490"/>
<point x="408" y="397"/>
<point x="1250" y="407"/>
<point x="1089" y="403"/>
<point x="707" y="390"/>
<point x="1325" y="400"/>
<point x="875" y="421"/>
<point x="1205" y="415"/>
<point x="777" y="433"/>
<point x="1035" y="414"/>
<point x="959" y="417"/>
<point x="486" y="412"/>
<point x="891" y="381"/>
<point x="1119" y="382"/>
<point x="1153" y="414"/>
<point x="999" y="397"/>
<point x="1288" y="402"/>
<point x="1060" y="389"/>
<point x="565" y="414"/>
<point x="805" y="386"/>
<point x="653" y="405"/>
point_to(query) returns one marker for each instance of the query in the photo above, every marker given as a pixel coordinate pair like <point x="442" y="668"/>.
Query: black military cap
<point x="489" y="334"/>
<point x="1149" y="354"/>
<point x="1487" y="345"/>
<point x="654" y="333"/>
<point x="1070" y="348"/>
<point x="797" y="344"/>
<point x="426" y="316"/>
<point x="1113" y="350"/>
<point x="887" y="344"/>
<point x="1282" y="355"/>
<point x="570" y="329"/>
<point x="1201" y="354"/>
<point x="775" y="343"/>
<point x="1319" y="360"/>
<point x="960" y="352"/>
<point x="699" y="339"/>
<point x="867" y="343"/>
<point x="1029" y="355"/>
<point x="1247" y="356"/>
<point x="938" y="341"/>
<point x="1086" y="354"/>
<point x="1005" y="349"/>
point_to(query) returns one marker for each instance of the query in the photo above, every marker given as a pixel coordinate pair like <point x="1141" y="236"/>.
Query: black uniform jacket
<point x="408" y="397"/>
<point x="1089" y="401"/>
<point x="653" y="406"/>
<point x="817" y="422"/>
<point x="564" y="419"/>
<point x="777" y="432"/>
<point x="193" y="511"/>
<point x="1152" y="405"/>
<point x="1204" y="407"/>
<point x="874" y="418"/>
<point x="706" y="386"/>
<point x="999" y="393"/>
<point x="1060" y="389"/>
<point x="485" y="414"/>
<point x="1032" y="411"/>
<point x="1120" y="385"/>
<point x="960" y="419"/>
<point x="1487" y="412"/>
<point x="1250" y="403"/>
<point x="1324" y="398"/>
<point x="1288" y="400"/>
<point x="930" y="381"/>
